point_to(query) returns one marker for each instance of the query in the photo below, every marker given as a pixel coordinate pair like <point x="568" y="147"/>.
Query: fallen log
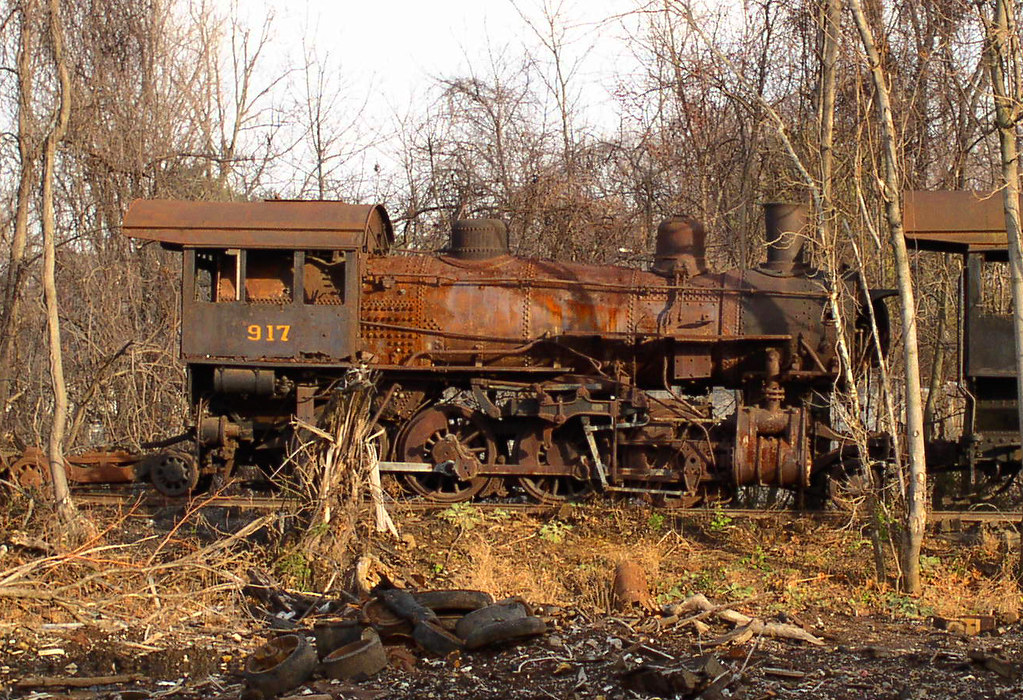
<point x="746" y="627"/>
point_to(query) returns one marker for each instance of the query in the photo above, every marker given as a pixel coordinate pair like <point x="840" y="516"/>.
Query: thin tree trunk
<point x="27" y="152"/>
<point x="937" y="371"/>
<point x="1002" y="53"/>
<point x="831" y="23"/>
<point x="61" y="495"/>
<point x="916" y="506"/>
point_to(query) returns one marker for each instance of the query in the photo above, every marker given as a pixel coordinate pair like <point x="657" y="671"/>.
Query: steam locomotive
<point x="501" y="373"/>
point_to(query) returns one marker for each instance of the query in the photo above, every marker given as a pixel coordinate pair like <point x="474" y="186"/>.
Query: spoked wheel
<point x="32" y="471"/>
<point x="566" y="450"/>
<point x="434" y="436"/>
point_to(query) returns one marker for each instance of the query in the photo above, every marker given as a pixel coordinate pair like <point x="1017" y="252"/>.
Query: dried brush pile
<point x="334" y="469"/>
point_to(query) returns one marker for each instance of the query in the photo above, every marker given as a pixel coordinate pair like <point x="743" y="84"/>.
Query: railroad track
<point x="150" y="500"/>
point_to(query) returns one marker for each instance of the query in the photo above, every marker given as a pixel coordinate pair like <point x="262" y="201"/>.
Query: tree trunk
<point x="61" y="495"/>
<point x="916" y="506"/>
<point x="937" y="370"/>
<point x="1003" y="57"/>
<point x="27" y="152"/>
<point x="830" y="27"/>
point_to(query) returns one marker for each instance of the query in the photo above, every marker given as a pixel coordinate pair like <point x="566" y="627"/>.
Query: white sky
<point x="390" y="49"/>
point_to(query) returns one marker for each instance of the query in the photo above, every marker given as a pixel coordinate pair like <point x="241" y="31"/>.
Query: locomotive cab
<point x="266" y="282"/>
<point x="987" y="454"/>
<point x="270" y="296"/>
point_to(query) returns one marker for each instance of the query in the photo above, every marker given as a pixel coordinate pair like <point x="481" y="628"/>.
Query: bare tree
<point x="28" y="153"/>
<point x="916" y="507"/>
<point x="61" y="494"/>
<point x="1004" y="56"/>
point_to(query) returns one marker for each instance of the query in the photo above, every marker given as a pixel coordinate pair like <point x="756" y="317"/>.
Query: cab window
<point x="217" y="275"/>
<point x="324" y="277"/>
<point x="269" y="276"/>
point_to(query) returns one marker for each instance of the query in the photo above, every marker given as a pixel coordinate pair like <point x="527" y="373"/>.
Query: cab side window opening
<point x="324" y="277"/>
<point x="216" y="275"/>
<point x="995" y="289"/>
<point x="269" y="276"/>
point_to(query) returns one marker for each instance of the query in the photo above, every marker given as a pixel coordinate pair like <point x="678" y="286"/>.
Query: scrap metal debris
<point x="630" y="589"/>
<point x="350" y="639"/>
<point x="704" y="677"/>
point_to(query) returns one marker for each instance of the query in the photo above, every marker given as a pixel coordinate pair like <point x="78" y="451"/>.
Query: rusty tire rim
<point x="280" y="665"/>
<point x="333" y="634"/>
<point x="357" y="660"/>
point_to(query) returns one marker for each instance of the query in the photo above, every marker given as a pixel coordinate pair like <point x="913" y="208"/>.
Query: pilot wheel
<point x="174" y="473"/>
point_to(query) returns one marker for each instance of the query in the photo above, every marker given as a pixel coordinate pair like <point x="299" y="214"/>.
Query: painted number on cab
<point x="269" y="333"/>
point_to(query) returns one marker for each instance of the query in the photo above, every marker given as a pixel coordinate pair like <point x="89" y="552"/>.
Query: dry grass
<point x="126" y="573"/>
<point x="330" y="471"/>
<point x="795" y="568"/>
<point x="133" y="574"/>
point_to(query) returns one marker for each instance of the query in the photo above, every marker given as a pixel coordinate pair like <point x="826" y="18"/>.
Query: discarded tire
<point x="431" y="637"/>
<point x="358" y="660"/>
<point x="484" y="617"/>
<point x="453" y="601"/>
<point x="280" y="665"/>
<point x="404" y="604"/>
<point x="384" y="621"/>
<point x="334" y="634"/>
<point x="449" y="622"/>
<point x="505" y="632"/>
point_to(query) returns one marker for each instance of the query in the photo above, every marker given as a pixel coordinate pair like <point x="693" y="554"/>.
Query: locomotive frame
<point x="496" y="370"/>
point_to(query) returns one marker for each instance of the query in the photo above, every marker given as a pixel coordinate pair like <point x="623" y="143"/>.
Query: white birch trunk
<point x="916" y="506"/>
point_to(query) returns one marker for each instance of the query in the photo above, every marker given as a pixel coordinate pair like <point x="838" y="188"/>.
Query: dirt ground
<point x="158" y="599"/>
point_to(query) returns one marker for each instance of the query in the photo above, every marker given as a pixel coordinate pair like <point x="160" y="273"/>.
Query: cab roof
<point x="956" y="221"/>
<point x="289" y="224"/>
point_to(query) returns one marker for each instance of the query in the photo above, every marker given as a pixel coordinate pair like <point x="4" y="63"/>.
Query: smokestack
<point x="478" y="239"/>
<point x="785" y="228"/>
<point x="680" y="247"/>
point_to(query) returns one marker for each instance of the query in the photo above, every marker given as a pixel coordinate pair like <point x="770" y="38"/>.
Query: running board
<point x="445" y="468"/>
<point x="417" y="467"/>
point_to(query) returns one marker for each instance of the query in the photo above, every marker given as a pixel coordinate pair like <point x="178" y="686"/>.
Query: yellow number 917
<point x="269" y="333"/>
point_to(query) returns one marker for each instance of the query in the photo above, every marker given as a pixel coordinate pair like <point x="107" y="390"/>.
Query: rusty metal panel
<point x="693" y="362"/>
<point x="956" y="221"/>
<point x="271" y="224"/>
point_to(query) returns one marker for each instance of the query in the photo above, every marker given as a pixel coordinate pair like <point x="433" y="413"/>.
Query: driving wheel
<point x="441" y="435"/>
<point x="567" y="450"/>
